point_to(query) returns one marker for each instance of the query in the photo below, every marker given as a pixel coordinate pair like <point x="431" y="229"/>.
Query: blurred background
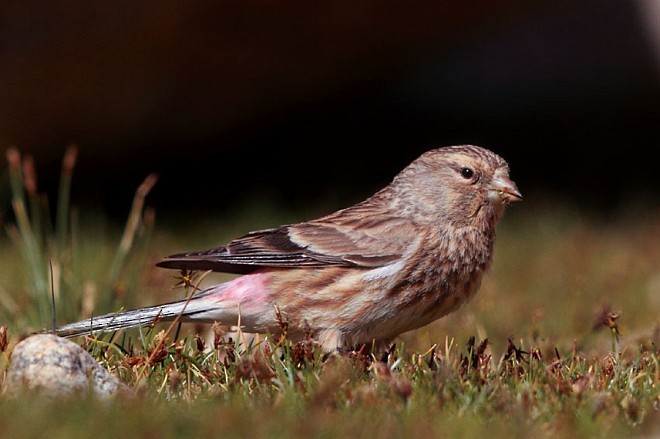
<point x="300" y="104"/>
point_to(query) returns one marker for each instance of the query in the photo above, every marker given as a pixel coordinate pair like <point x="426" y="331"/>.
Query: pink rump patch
<point x="247" y="290"/>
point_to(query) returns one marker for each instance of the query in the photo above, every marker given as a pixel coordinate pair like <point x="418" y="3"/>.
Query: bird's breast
<point x="443" y="277"/>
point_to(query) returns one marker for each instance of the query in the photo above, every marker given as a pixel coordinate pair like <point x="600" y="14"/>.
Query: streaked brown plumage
<point x="408" y="255"/>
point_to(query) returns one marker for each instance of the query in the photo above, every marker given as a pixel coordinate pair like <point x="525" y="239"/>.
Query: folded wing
<point x="350" y="238"/>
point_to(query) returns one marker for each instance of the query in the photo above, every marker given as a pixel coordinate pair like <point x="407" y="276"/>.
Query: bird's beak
<point x="503" y="190"/>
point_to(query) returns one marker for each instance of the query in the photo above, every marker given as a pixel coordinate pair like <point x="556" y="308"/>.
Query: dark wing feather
<point x="264" y="248"/>
<point x="340" y="239"/>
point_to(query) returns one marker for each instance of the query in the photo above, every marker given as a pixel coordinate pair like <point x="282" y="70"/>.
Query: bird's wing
<point x="335" y="240"/>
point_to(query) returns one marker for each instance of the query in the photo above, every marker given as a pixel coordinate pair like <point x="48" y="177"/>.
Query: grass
<point x="561" y="341"/>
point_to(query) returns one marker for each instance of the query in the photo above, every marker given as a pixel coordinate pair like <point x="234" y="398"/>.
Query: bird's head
<point x="461" y="184"/>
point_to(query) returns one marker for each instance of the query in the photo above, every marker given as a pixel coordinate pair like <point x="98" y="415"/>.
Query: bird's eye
<point x="467" y="173"/>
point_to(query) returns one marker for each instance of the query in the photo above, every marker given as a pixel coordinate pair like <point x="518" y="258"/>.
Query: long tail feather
<point x="231" y="302"/>
<point x="132" y="318"/>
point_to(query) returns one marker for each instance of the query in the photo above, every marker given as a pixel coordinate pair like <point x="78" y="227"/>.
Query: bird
<point x="408" y="255"/>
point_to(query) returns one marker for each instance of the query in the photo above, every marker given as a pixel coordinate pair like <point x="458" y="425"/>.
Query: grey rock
<point x="55" y="366"/>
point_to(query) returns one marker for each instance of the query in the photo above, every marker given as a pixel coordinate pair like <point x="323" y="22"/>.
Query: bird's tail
<point x="193" y="309"/>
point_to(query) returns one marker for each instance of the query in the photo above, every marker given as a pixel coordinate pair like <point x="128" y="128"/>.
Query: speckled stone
<point x="55" y="366"/>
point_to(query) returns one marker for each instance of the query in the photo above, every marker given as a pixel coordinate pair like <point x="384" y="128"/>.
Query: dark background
<point x="301" y="102"/>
